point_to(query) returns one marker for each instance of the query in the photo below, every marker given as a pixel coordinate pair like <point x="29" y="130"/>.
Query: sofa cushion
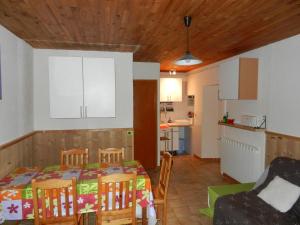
<point x="280" y="194"/>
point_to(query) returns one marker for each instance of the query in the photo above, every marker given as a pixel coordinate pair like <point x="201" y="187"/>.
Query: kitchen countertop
<point x="174" y="124"/>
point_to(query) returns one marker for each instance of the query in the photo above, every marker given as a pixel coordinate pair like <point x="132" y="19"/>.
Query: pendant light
<point x="187" y="59"/>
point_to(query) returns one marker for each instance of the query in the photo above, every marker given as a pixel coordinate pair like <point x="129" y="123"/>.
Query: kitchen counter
<point x="175" y="124"/>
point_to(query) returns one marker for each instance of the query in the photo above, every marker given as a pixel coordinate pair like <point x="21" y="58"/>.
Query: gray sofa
<point x="247" y="209"/>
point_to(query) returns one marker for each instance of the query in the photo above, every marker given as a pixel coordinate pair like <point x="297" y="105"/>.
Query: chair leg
<point x="165" y="214"/>
<point x="158" y="212"/>
<point x="80" y="219"/>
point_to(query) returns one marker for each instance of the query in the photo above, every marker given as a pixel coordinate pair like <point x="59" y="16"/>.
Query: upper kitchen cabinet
<point x="66" y="89"/>
<point x="238" y="79"/>
<point x="99" y="87"/>
<point x="81" y="87"/>
<point x="170" y="89"/>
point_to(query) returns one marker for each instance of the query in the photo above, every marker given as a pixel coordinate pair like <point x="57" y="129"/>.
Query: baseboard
<point x="207" y="159"/>
<point x="230" y="179"/>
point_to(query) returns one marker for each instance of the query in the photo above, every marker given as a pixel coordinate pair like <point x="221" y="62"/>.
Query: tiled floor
<point x="188" y="189"/>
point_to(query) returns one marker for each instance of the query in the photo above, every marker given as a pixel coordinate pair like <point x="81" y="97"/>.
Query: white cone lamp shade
<point x="187" y="60"/>
<point x="170" y="89"/>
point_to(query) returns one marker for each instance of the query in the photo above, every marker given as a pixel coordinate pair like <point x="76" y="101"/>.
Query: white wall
<point x="124" y="92"/>
<point x="197" y="80"/>
<point x="278" y="90"/>
<point x="16" y="106"/>
<point x="146" y="71"/>
<point x="284" y="89"/>
<point x="150" y="71"/>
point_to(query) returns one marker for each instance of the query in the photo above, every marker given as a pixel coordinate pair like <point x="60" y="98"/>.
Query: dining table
<point x="16" y="200"/>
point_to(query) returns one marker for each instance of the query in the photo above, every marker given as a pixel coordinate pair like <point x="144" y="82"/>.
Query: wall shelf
<point x="243" y="127"/>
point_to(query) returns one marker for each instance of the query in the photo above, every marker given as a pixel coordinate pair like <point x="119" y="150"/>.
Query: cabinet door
<point x="164" y="92"/>
<point x="66" y="88"/>
<point x="229" y="79"/>
<point x="248" y="78"/>
<point x="170" y="89"/>
<point x="99" y="87"/>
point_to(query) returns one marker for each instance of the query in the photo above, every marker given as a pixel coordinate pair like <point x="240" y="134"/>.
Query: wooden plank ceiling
<point x="153" y="29"/>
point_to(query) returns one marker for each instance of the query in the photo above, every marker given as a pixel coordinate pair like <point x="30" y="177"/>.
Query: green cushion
<point x="214" y="192"/>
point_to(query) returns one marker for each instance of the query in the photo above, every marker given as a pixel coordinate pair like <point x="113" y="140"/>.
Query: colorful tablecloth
<point x="16" y="201"/>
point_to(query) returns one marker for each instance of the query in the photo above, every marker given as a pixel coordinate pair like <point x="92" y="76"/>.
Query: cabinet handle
<point x="81" y="111"/>
<point x="85" y="112"/>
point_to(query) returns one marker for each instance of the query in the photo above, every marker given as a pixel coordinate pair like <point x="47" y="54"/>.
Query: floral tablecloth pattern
<point x="16" y="201"/>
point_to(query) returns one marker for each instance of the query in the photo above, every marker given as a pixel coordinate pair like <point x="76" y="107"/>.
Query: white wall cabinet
<point x="238" y="79"/>
<point x="81" y="87"/>
<point x="99" y="87"/>
<point x="170" y="89"/>
<point x="229" y="79"/>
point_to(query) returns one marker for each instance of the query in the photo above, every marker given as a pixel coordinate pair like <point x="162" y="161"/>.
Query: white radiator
<point x="239" y="160"/>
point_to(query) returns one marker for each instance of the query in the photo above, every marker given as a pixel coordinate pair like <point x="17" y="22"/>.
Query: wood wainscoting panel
<point x="42" y="148"/>
<point x="281" y="145"/>
<point x="48" y="144"/>
<point x="16" y="154"/>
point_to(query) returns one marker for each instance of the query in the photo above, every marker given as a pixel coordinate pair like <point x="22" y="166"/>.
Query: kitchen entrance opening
<point x="176" y="116"/>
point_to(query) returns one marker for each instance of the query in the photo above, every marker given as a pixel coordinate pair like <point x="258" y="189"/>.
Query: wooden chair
<point x="120" y="210"/>
<point x="161" y="191"/>
<point x="111" y="155"/>
<point x="74" y="157"/>
<point x="48" y="190"/>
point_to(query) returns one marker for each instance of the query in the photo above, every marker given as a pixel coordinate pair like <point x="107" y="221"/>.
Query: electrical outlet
<point x="130" y="133"/>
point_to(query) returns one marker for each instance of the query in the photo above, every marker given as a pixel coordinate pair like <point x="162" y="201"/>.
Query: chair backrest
<point x="117" y="199"/>
<point x="58" y="191"/>
<point x="111" y="155"/>
<point x="164" y="175"/>
<point x="74" y="157"/>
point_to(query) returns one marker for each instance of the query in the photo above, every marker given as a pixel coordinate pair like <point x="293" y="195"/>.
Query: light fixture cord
<point x="187" y="40"/>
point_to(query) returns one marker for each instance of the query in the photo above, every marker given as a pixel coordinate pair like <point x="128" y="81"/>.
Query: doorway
<point x="145" y="122"/>
<point x="210" y="130"/>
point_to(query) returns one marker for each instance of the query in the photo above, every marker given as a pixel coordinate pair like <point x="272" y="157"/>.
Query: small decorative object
<point x="169" y="108"/>
<point x="190" y="114"/>
<point x="191" y="100"/>
<point x="230" y="121"/>
<point x="225" y="118"/>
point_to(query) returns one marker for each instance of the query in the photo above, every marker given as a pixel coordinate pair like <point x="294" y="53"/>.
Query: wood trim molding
<point x="17" y="140"/>
<point x="230" y="179"/>
<point x="21" y="138"/>
<point x="243" y="127"/>
<point x="207" y="159"/>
